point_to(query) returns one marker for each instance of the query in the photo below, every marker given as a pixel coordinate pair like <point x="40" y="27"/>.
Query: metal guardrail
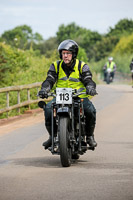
<point x="18" y="89"/>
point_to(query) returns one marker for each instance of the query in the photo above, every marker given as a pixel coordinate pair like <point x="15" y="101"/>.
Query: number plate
<point x="64" y="95"/>
<point x="109" y="70"/>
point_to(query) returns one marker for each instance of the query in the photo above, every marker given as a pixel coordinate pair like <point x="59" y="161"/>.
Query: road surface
<point x="28" y="172"/>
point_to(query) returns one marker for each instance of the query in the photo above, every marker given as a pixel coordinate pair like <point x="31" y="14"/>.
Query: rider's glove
<point x="43" y="93"/>
<point x="90" y="90"/>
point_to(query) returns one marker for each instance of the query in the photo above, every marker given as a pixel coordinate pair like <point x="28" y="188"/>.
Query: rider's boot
<point x="90" y="137"/>
<point x="48" y="142"/>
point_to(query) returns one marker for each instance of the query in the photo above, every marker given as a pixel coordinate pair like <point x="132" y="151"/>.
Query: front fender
<point x="65" y="111"/>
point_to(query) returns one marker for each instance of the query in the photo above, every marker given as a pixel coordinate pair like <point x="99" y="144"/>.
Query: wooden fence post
<point x="28" y="96"/>
<point x="7" y="101"/>
<point x="37" y="92"/>
<point x="19" y="100"/>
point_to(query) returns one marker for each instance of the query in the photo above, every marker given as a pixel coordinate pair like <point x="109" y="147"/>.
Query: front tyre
<point x="108" y="78"/>
<point x="65" y="150"/>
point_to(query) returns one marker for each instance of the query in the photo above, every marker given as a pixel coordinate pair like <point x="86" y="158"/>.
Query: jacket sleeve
<point x="86" y="76"/>
<point x="131" y="66"/>
<point x="50" y="79"/>
<point x="114" y="67"/>
<point x="105" y="66"/>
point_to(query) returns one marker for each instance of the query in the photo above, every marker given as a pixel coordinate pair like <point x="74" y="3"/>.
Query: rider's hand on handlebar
<point x="43" y="93"/>
<point x="90" y="90"/>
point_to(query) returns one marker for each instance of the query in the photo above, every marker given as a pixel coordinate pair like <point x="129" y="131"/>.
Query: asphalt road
<point x="28" y="172"/>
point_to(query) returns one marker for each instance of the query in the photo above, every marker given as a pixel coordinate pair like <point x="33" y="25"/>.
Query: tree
<point x="67" y="32"/>
<point x="21" y="36"/>
<point x="124" y="46"/>
<point x="82" y="55"/>
<point x="46" y="47"/>
<point x="103" y="48"/>
<point x="123" y="27"/>
<point x="12" y="61"/>
<point x="85" y="38"/>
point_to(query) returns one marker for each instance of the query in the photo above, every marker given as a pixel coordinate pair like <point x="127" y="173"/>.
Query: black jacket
<point x="131" y="65"/>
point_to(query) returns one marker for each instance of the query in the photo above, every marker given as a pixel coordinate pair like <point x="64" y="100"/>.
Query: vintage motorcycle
<point x="68" y="125"/>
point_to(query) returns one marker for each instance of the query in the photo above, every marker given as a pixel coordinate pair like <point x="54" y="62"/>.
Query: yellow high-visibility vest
<point x="110" y="65"/>
<point x="73" y="81"/>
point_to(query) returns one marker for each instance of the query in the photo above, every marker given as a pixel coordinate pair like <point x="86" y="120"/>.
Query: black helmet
<point x="69" y="45"/>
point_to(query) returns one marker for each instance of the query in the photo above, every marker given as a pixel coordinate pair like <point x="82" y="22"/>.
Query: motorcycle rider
<point x="131" y="69"/>
<point x="109" y="64"/>
<point x="70" y="72"/>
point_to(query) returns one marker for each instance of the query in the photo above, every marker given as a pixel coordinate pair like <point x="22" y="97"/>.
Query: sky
<point x="45" y="16"/>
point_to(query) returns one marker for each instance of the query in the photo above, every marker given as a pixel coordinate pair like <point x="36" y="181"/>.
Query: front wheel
<point x="108" y="79"/>
<point x="65" y="150"/>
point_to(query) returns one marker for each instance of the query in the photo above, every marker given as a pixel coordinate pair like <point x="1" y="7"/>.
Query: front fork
<point x="54" y="148"/>
<point x="79" y="127"/>
<point x="80" y="105"/>
<point x="52" y="126"/>
<point x="72" y="138"/>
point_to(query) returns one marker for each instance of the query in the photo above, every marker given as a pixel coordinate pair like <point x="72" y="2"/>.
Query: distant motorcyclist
<point x="109" y="64"/>
<point x="131" y="69"/>
<point x="70" y="72"/>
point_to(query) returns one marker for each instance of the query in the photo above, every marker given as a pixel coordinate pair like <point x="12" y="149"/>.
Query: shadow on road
<point x="54" y="162"/>
<point x="47" y="162"/>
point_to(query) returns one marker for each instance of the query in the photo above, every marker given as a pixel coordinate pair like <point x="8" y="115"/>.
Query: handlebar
<point x="53" y="94"/>
<point x="49" y="94"/>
